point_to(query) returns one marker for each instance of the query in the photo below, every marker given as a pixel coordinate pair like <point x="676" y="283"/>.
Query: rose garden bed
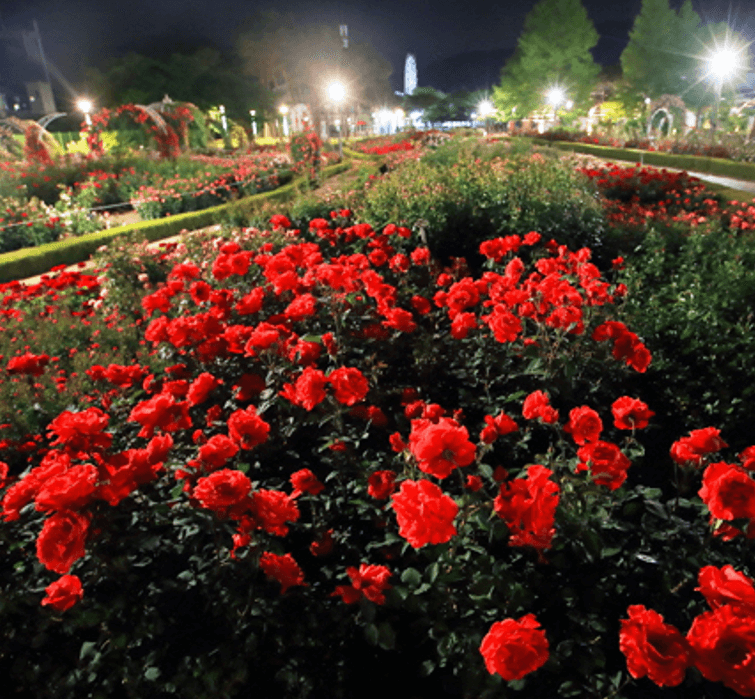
<point x="322" y="455"/>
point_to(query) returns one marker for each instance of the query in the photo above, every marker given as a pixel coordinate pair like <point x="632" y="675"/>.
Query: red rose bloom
<point x="630" y="413"/>
<point x="723" y="647"/>
<point x="607" y="464"/>
<point x="584" y="425"/>
<point x="349" y="384"/>
<point x="82" y="431"/>
<point x="528" y="506"/>
<point x="537" y="405"/>
<point x="284" y="569"/>
<point x="272" y="509"/>
<point x="425" y="514"/>
<point x="63" y="593"/>
<point x="222" y="489"/>
<point x="70" y="490"/>
<point x="61" y="542"/>
<point x="381" y="484"/>
<point x="722" y="586"/>
<point x="304" y="481"/>
<point x="247" y="428"/>
<point x="698" y="444"/>
<point x="216" y="452"/>
<point x="308" y="390"/>
<point x="440" y="447"/>
<point x="368" y="581"/>
<point x="514" y="647"/>
<point x="728" y="491"/>
<point x="653" y="648"/>
<point x="201" y="387"/>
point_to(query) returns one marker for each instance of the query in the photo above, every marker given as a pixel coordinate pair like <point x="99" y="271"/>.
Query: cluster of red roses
<point x="720" y="643"/>
<point x="636" y="195"/>
<point x="241" y="324"/>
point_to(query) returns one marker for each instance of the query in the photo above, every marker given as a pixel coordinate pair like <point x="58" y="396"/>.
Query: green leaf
<point x="411" y="577"/>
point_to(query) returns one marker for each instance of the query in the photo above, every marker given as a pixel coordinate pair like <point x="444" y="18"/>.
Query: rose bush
<point x="303" y="467"/>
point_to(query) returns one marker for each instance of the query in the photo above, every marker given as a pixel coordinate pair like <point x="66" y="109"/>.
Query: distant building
<point x="25" y="87"/>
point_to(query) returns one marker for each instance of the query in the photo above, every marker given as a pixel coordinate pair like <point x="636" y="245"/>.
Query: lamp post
<point x="337" y="93"/>
<point x="85" y="106"/>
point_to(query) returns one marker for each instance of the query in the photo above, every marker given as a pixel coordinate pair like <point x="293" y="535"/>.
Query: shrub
<point x="350" y="458"/>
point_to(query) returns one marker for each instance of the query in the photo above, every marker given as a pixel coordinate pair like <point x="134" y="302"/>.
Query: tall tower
<point x="410" y="74"/>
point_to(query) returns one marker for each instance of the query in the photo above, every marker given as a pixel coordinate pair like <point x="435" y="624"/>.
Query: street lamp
<point x="85" y="106"/>
<point x="337" y="93"/>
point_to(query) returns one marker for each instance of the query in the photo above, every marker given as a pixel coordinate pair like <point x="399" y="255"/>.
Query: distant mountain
<point x="473" y="70"/>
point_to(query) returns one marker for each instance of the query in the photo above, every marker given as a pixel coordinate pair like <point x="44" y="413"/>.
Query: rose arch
<point x="164" y="135"/>
<point x="39" y="143"/>
<point x="667" y="105"/>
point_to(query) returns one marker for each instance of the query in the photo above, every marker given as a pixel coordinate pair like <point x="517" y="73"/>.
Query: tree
<point x="661" y="57"/>
<point x="553" y="50"/>
<point x="205" y="78"/>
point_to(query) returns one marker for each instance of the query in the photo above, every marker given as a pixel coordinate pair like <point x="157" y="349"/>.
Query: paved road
<point x="741" y="185"/>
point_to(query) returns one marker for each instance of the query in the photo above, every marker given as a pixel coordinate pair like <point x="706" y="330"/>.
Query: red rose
<point x="728" y="491"/>
<point x="425" y="514"/>
<point x="381" y="484"/>
<point x="70" y="490"/>
<point x="368" y="581"/>
<point x="698" y="444"/>
<point x="247" y="428"/>
<point x="528" y="506"/>
<point x="653" y="648"/>
<point x="222" y="489"/>
<point x="723" y="647"/>
<point x="63" y="593"/>
<point x="584" y="425"/>
<point x="608" y="465"/>
<point x="505" y="325"/>
<point x="630" y="413"/>
<point x="308" y="390"/>
<point x="216" y="452"/>
<point x="61" y="542"/>
<point x="272" y="509"/>
<point x="440" y="447"/>
<point x="201" y="387"/>
<point x="81" y="431"/>
<point x="537" y="405"/>
<point x="721" y="586"/>
<point x="349" y="384"/>
<point x="304" y="481"/>
<point x="284" y="569"/>
<point x="514" y="647"/>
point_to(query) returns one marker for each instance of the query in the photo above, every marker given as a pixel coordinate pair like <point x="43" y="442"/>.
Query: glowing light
<point x="556" y="96"/>
<point x="485" y="109"/>
<point x="337" y="91"/>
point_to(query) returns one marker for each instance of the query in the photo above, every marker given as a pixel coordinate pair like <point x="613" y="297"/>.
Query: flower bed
<point x="356" y="460"/>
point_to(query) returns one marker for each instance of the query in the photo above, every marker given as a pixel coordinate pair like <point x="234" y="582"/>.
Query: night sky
<point x="79" y="33"/>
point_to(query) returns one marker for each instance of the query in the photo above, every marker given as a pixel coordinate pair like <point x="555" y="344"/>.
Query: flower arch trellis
<point x="39" y="143"/>
<point x="166" y="138"/>
<point x="665" y="104"/>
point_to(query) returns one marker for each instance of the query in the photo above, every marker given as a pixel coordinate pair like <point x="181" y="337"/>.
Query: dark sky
<point x="77" y="33"/>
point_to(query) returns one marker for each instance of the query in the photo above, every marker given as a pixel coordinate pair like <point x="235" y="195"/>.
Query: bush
<point x="457" y="207"/>
<point x="240" y="506"/>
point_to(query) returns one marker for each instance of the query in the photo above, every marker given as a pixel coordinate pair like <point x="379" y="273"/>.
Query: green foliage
<point x="457" y="207"/>
<point x="553" y="51"/>
<point x="692" y="297"/>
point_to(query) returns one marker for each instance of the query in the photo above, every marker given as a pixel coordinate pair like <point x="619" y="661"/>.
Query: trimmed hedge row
<point x="29" y="262"/>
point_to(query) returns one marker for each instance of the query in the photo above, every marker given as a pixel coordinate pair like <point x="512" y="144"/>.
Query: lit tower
<point x="410" y="74"/>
